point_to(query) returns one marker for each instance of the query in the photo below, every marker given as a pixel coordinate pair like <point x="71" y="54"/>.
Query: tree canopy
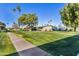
<point x="1" y="23"/>
<point x="70" y="15"/>
<point x="18" y="8"/>
<point x="28" y="19"/>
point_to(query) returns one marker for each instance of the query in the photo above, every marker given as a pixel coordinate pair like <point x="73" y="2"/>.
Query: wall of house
<point x="48" y="28"/>
<point x="77" y="29"/>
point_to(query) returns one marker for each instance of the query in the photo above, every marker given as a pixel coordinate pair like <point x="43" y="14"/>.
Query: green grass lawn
<point x="39" y="38"/>
<point x="55" y="43"/>
<point x="6" y="46"/>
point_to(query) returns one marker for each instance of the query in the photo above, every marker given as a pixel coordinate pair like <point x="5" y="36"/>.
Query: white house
<point x="77" y="29"/>
<point x="47" y="28"/>
<point x="27" y="28"/>
<point x="61" y="27"/>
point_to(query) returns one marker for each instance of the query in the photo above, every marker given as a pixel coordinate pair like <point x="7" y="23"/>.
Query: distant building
<point x="61" y="28"/>
<point x="77" y="29"/>
<point x="45" y="28"/>
<point x="55" y="28"/>
<point x="15" y="26"/>
<point x="26" y="28"/>
<point x="40" y="28"/>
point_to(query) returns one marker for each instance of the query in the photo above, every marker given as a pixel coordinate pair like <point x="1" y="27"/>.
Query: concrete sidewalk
<point x="25" y="48"/>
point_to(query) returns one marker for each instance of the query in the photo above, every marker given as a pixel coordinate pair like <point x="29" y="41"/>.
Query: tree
<point x="2" y="26"/>
<point x="18" y="8"/>
<point x="28" y="19"/>
<point x="70" y="15"/>
<point x="14" y="9"/>
<point x="1" y="23"/>
<point x="15" y="26"/>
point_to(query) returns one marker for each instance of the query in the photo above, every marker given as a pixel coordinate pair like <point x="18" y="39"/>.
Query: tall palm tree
<point x="17" y="8"/>
<point x="14" y="10"/>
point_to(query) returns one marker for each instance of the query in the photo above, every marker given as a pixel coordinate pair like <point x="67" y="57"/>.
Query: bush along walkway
<point x="25" y="48"/>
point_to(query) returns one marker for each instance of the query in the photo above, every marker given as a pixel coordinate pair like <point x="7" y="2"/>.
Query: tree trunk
<point x="19" y="24"/>
<point x="74" y="29"/>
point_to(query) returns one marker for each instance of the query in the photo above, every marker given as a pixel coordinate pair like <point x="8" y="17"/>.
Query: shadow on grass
<point x="13" y="54"/>
<point x="68" y="46"/>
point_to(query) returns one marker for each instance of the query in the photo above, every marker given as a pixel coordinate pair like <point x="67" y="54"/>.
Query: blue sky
<point x="44" y="11"/>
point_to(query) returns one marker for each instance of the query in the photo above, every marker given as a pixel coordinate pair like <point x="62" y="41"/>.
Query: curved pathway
<point x="25" y="48"/>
